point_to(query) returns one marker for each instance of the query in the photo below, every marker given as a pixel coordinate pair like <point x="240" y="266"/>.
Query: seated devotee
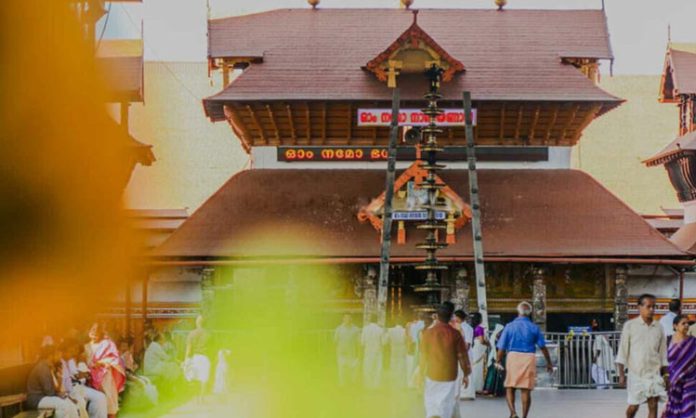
<point x="158" y="365"/>
<point x="126" y="349"/>
<point x="90" y="402"/>
<point x="43" y="386"/>
<point x="107" y="371"/>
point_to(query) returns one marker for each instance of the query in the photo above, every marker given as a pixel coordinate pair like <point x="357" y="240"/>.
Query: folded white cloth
<point x="197" y="368"/>
<point x="640" y="389"/>
<point x="440" y="398"/>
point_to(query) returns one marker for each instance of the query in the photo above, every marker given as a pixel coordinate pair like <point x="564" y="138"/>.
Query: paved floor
<point x="546" y="404"/>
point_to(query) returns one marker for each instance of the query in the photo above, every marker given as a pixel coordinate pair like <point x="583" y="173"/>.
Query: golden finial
<point x="313" y="3"/>
<point x="407" y="3"/>
<point x="500" y="4"/>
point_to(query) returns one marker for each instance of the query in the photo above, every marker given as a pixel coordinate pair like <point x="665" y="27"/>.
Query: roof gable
<point x="680" y="147"/>
<point x="406" y="190"/>
<point x="413" y="52"/>
<point x="679" y="73"/>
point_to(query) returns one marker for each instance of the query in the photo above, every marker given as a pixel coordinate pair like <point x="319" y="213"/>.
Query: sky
<point x="175" y="30"/>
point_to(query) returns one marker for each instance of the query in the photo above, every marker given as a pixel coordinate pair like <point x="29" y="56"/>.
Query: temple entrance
<point x="402" y="298"/>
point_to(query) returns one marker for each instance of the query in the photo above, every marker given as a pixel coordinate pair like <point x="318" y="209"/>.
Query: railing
<point x="571" y="353"/>
<point x="575" y="357"/>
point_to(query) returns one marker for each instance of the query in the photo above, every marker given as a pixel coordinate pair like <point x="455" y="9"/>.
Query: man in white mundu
<point x="372" y="339"/>
<point x="197" y="363"/>
<point x="346" y="338"/>
<point x="397" y="339"/>
<point x="643" y="351"/>
<point x="442" y="350"/>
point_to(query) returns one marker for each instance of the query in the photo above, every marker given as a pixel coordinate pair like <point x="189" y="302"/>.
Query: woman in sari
<point x="480" y="349"/>
<point x="681" y="356"/>
<point x="494" y="378"/>
<point x="106" y="367"/>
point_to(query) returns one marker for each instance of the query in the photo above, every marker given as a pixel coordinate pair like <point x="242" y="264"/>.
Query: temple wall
<point x="657" y="280"/>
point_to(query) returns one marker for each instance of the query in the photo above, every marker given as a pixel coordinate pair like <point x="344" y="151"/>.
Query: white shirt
<point x="605" y="359"/>
<point x="468" y="334"/>
<point x="371" y="338"/>
<point x="346" y="339"/>
<point x="643" y="348"/>
<point x="396" y="337"/>
<point x="414" y="329"/>
<point x="666" y="322"/>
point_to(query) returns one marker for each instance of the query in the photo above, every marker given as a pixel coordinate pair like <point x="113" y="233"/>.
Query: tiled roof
<point x="526" y="213"/>
<point x="675" y="149"/>
<point x="319" y="54"/>
<point x="684" y="71"/>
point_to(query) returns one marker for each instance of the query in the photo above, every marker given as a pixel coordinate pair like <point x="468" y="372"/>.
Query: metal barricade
<point x="576" y="356"/>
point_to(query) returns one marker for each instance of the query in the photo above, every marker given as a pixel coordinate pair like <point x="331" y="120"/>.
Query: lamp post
<point x="432" y="286"/>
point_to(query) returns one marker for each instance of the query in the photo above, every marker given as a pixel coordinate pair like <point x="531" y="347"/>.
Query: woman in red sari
<point x="106" y="367"/>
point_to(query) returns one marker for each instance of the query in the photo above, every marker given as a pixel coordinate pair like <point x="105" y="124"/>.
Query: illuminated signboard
<point x="407" y="153"/>
<point x="411" y="117"/>
<point x="417" y="215"/>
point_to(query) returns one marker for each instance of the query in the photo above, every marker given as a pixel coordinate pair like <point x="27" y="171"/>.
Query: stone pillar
<point x="369" y="293"/>
<point x="460" y="293"/>
<point x="207" y="292"/>
<point x="539" y="295"/>
<point x="620" y="297"/>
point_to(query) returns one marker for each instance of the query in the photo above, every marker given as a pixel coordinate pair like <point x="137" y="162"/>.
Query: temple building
<point x="313" y="113"/>
<point x="678" y="86"/>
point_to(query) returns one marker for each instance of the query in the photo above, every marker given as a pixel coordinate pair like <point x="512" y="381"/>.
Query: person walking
<point x="602" y="358"/>
<point x="495" y="378"/>
<point x="643" y="351"/>
<point x="459" y="322"/>
<point x="668" y="318"/>
<point x="413" y="330"/>
<point x="372" y="339"/>
<point x="442" y="352"/>
<point x="518" y="343"/>
<point x="480" y="351"/>
<point x="197" y="362"/>
<point x="347" y="340"/>
<point x="681" y="355"/>
<point x="396" y="339"/>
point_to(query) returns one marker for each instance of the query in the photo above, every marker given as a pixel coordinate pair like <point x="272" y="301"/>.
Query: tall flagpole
<point x="383" y="283"/>
<point x="476" y="212"/>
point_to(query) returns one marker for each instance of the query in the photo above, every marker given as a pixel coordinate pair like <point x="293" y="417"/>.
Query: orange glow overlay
<point x="64" y="249"/>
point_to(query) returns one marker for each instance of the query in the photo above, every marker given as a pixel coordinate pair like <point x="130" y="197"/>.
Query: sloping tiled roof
<point x="684" y="71"/>
<point x="319" y="54"/>
<point x="526" y="213"/>
<point x="675" y="149"/>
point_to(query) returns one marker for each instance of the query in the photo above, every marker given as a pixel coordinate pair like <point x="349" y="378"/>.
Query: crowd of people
<point x="450" y="356"/>
<point x="656" y="361"/>
<point x="80" y="377"/>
